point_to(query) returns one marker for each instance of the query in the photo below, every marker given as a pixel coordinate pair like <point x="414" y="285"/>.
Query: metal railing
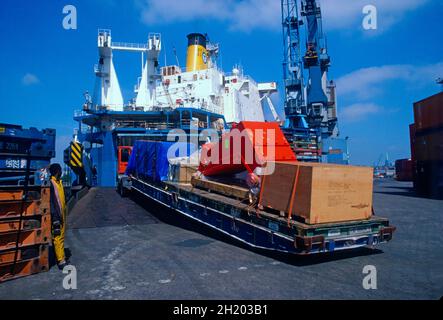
<point x="80" y="113"/>
<point x="127" y="45"/>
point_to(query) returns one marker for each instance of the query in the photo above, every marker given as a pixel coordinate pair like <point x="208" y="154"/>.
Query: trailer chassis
<point x="260" y="229"/>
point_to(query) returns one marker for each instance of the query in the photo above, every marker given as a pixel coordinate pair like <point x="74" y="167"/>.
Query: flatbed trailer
<point x="259" y="228"/>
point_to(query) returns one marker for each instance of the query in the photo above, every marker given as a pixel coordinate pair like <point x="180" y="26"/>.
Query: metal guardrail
<point x="116" y="45"/>
<point x="79" y="113"/>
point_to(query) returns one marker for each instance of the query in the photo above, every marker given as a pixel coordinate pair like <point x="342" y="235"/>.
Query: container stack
<point x="403" y="170"/>
<point x="427" y="146"/>
<point x="25" y="222"/>
<point x="17" y="146"/>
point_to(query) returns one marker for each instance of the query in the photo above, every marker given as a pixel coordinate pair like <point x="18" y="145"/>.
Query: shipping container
<point x="429" y="179"/>
<point x="429" y="146"/>
<point x="413" y="157"/>
<point x="412" y="141"/>
<point x="403" y="170"/>
<point x="428" y="113"/>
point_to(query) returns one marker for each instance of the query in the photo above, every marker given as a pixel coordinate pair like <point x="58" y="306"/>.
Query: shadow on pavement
<point x="411" y="193"/>
<point x="401" y="188"/>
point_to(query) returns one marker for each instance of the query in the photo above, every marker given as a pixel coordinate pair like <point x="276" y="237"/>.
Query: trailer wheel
<point x="122" y="191"/>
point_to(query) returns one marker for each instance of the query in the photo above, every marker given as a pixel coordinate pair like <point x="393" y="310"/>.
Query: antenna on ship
<point x="176" y="57"/>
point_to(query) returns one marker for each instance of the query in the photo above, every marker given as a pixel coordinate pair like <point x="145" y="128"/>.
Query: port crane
<point x="310" y="103"/>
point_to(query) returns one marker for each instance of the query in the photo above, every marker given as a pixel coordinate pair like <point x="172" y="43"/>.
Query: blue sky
<point x="45" y="69"/>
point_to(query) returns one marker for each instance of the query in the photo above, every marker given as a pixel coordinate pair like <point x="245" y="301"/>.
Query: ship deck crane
<point x="266" y="90"/>
<point x="110" y="93"/>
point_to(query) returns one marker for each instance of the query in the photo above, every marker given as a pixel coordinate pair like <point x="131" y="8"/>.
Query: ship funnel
<point x="197" y="55"/>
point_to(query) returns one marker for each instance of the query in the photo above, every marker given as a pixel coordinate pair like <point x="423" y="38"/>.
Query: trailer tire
<point x="122" y="191"/>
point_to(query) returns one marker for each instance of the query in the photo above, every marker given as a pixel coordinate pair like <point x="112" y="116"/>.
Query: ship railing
<point x="79" y="113"/>
<point x="242" y="77"/>
<point x="97" y="68"/>
<point x="104" y="31"/>
<point x="250" y="80"/>
<point x="127" y="45"/>
<point x="157" y="125"/>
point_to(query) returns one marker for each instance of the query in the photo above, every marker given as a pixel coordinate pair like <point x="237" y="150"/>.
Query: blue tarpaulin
<point x="149" y="159"/>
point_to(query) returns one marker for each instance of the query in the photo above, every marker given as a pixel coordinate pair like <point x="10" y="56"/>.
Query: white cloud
<point x="30" y="79"/>
<point x="364" y="85"/>
<point x="342" y="14"/>
<point x="239" y="15"/>
<point x="368" y="82"/>
<point x="266" y="14"/>
<point x="359" y="111"/>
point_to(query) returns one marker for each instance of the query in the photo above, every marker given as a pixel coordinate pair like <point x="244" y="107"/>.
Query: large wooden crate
<point x="319" y="193"/>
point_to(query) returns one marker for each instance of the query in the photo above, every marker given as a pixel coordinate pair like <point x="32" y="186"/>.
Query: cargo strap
<point x="262" y="187"/>
<point x="245" y="164"/>
<point x="294" y="189"/>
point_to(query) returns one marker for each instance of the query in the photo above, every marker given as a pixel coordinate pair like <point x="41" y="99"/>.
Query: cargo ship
<point x="202" y="97"/>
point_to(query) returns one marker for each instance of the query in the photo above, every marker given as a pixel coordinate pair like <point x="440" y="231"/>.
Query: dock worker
<point x="58" y="214"/>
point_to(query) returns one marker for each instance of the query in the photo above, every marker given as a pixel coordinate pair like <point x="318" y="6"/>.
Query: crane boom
<point x="292" y="63"/>
<point x="317" y="61"/>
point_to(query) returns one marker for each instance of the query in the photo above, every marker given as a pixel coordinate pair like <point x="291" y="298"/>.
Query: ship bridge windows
<point x="170" y="70"/>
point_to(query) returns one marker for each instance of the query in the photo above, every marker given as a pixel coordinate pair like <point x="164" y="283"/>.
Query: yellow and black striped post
<point x="76" y="152"/>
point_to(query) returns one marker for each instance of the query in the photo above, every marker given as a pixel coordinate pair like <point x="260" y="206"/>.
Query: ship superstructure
<point x="200" y="85"/>
<point x="199" y="96"/>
